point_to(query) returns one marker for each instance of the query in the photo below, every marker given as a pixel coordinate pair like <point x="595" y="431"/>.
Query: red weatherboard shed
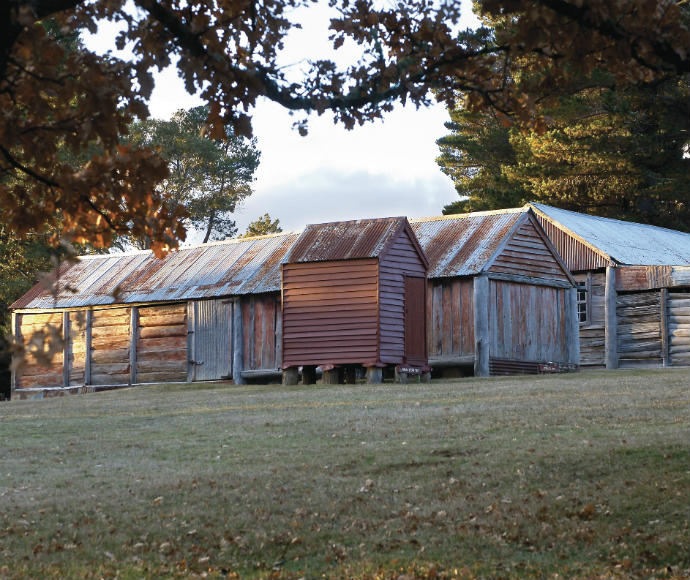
<point x="354" y="293"/>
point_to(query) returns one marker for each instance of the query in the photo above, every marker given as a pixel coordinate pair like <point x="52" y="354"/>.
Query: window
<point x="582" y="300"/>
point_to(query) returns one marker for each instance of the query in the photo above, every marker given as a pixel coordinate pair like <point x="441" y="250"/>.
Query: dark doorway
<point x="415" y="320"/>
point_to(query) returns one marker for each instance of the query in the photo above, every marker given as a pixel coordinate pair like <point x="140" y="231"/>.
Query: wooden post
<point x="290" y="376"/>
<point x="279" y="336"/>
<point x="332" y="377"/>
<point x="663" y="319"/>
<point x="16" y="335"/>
<point x="87" y="347"/>
<point x="611" y="320"/>
<point x="191" y="342"/>
<point x="374" y="375"/>
<point x="572" y="327"/>
<point x="237" y="343"/>
<point x="308" y="375"/>
<point x="481" y="326"/>
<point x="133" y="336"/>
<point x="66" y="346"/>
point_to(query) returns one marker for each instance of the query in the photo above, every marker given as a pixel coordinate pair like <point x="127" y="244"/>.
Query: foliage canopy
<point x="52" y="98"/>
<point x="616" y="153"/>
<point x="208" y="177"/>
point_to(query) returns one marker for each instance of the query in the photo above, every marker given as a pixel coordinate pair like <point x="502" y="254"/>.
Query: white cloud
<point x="332" y="195"/>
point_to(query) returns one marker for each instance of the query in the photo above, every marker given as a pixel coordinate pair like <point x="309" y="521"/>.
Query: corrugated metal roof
<point x="461" y="245"/>
<point x="344" y="240"/>
<point x="227" y="268"/>
<point x="625" y="242"/>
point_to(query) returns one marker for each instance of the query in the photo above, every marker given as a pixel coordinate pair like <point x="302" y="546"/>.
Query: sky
<point x="383" y="168"/>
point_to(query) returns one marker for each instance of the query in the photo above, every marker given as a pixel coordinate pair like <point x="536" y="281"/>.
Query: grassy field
<point x="575" y="476"/>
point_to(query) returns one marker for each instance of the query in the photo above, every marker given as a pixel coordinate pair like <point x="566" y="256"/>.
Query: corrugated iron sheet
<point x="344" y="240"/>
<point x="625" y="242"/>
<point x="461" y="245"/>
<point x="233" y="267"/>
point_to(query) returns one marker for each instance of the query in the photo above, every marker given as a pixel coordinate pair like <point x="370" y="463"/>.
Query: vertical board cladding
<point x="450" y="318"/>
<point x="527" y="322"/>
<point x="592" y="332"/>
<point x="40" y="334"/>
<point x="678" y="313"/>
<point x="639" y="328"/>
<point x="400" y="261"/>
<point x="526" y="254"/>
<point x="110" y="342"/>
<point x="330" y="312"/>
<point x="260" y="320"/>
<point x="162" y="343"/>
<point x="76" y="347"/>
<point x="576" y="255"/>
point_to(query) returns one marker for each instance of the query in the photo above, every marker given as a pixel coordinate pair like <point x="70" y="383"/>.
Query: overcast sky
<point x="380" y="169"/>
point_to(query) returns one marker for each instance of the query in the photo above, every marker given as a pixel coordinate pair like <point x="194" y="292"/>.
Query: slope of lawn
<point x="574" y="476"/>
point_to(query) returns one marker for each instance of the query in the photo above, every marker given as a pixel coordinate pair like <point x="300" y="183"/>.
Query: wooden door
<point x="212" y="339"/>
<point x="415" y="320"/>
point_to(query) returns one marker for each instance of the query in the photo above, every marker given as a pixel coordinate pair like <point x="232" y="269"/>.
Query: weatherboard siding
<point x="402" y="259"/>
<point x="330" y="312"/>
<point x="161" y="343"/>
<point x="678" y="305"/>
<point x="37" y="333"/>
<point x="639" y="328"/>
<point x="526" y="254"/>
<point x="110" y="346"/>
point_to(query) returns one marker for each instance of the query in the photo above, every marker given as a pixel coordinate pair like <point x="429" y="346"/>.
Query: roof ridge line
<point x="469" y="214"/>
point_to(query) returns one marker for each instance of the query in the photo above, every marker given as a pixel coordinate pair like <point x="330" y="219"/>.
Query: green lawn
<point x="574" y="476"/>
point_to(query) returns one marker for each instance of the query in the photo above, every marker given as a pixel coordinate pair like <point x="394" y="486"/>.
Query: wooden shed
<point x="499" y="300"/>
<point x="633" y="285"/>
<point x="202" y="313"/>
<point x="354" y="294"/>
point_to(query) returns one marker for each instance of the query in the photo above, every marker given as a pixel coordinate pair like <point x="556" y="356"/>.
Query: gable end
<point x="527" y="253"/>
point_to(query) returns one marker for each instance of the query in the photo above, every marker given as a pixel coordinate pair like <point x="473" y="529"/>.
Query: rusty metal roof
<point x="348" y="240"/>
<point x="628" y="243"/>
<point x="233" y="267"/>
<point x="462" y="244"/>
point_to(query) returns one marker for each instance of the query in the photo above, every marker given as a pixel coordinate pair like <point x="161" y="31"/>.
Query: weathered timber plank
<point x="637" y="355"/>
<point x="163" y="331"/>
<point x="161" y="354"/>
<point x="166" y="342"/>
<point x="106" y="342"/>
<point x="639" y="346"/>
<point x="179" y="309"/>
<point x="109" y="356"/>
<point x="638" y="299"/>
<point x="165" y="320"/>
<point x="111" y="368"/>
<point x="639" y="311"/>
<point x="147" y="366"/>
<point x="121" y="330"/>
<point x="626" y="328"/>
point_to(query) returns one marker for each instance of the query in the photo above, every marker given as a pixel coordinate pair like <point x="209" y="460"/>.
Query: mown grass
<point x="576" y="476"/>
